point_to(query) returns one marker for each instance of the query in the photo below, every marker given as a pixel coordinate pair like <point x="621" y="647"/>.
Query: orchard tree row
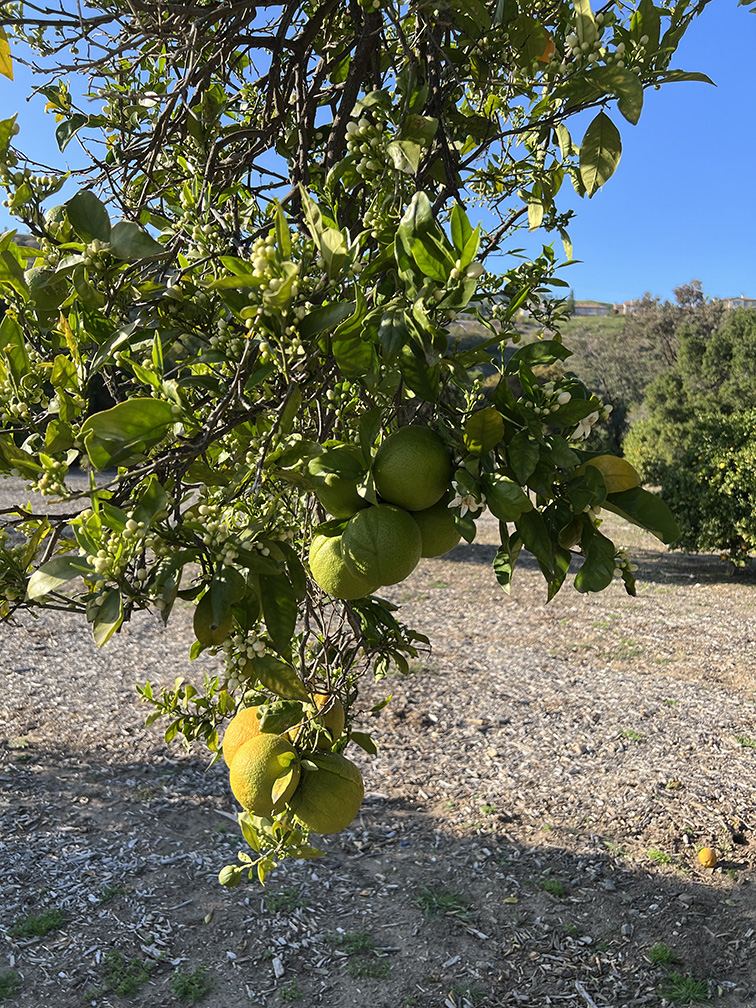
<point x="238" y="324"/>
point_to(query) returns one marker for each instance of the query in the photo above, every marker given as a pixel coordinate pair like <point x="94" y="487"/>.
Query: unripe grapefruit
<point x="329" y="797"/>
<point x="339" y="496"/>
<point x="382" y="543"/>
<point x="264" y="774"/>
<point x="437" y="529"/>
<point x="329" y="569"/>
<point x="243" y="726"/>
<point x="412" y="468"/>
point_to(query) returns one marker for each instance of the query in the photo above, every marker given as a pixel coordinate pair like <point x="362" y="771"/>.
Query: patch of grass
<point x="291" y="992"/>
<point x="439" y="584"/>
<point x="628" y="647"/>
<point x="661" y="954"/>
<point x="124" y="976"/>
<point x="632" y="736"/>
<point x="552" y="886"/>
<point x="658" y="856"/>
<point x="602" y="946"/>
<point x="37" y="925"/>
<point x="571" y="929"/>
<point x="107" y="892"/>
<point x="473" y="993"/>
<point x="192" y="986"/>
<point x="488" y="809"/>
<point x="9" y="981"/>
<point x="287" y="899"/>
<point x="351" y="942"/>
<point x="435" y="902"/>
<point x="615" y="849"/>
<point x="746" y="741"/>
<point x="378" y="969"/>
<point x="671" y="703"/>
<point x="684" y="989"/>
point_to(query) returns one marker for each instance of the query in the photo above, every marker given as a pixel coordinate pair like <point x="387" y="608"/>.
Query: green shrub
<point x="711" y="485"/>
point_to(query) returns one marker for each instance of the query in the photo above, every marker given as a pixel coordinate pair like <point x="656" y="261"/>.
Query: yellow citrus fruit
<point x="437" y="529"/>
<point x="330" y="715"/>
<point x="329" y="569"/>
<point x="329" y="796"/>
<point x="412" y="468"/>
<point x="382" y="544"/>
<point x="243" y="726"/>
<point x="618" y="474"/>
<point x="264" y="774"/>
<point x="708" y="857"/>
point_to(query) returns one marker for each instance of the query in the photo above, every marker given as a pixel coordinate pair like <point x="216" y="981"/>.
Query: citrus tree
<point x="238" y="325"/>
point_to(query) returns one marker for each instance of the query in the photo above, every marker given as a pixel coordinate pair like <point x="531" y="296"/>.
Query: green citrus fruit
<point x="329" y="797"/>
<point x="382" y="543"/>
<point x="437" y="529"/>
<point x="618" y="474"/>
<point x="330" y="715"/>
<point x="339" y="496"/>
<point x="264" y="774"/>
<point x="47" y="296"/>
<point x="337" y="491"/>
<point x="412" y="468"/>
<point x="329" y="569"/>
<point x="243" y="726"/>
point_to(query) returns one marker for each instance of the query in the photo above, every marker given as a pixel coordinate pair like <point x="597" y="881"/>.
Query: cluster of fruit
<point x="271" y="772"/>
<point x="382" y="543"/>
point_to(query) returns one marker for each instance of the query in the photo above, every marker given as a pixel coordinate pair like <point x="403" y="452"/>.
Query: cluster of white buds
<point x="368" y="140"/>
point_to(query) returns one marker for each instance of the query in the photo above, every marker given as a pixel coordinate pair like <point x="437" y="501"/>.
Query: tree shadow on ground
<point x="408" y="907"/>
<point x="653" y="566"/>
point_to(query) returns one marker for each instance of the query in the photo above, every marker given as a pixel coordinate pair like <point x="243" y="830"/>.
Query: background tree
<point x="268" y="319"/>
<point x="696" y="442"/>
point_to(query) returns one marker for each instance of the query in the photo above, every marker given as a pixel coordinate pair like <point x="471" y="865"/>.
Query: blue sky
<point x="682" y="204"/>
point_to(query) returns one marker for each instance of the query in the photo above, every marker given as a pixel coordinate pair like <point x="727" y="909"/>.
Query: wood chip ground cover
<point x="545" y="779"/>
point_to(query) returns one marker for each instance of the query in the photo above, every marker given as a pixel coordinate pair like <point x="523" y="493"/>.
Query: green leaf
<point x="523" y="454"/>
<point x="418" y="375"/>
<point x="364" y="741"/>
<point x="68" y="129"/>
<point x="625" y="85"/>
<point x="392" y="332"/>
<point x="505" y="499"/>
<point x="405" y="155"/>
<point x="13" y="347"/>
<point x="598" y="567"/>
<point x="109" y="617"/>
<point x="466" y="527"/>
<point x="599" y="153"/>
<point x="536" y="539"/>
<point x="6" y="63"/>
<point x="483" y="431"/>
<point x="56" y="572"/>
<point x="125" y="431"/>
<point x="324" y="318"/>
<point x="278" y="677"/>
<point x="280" y="715"/>
<point x="130" y="242"/>
<point x="503" y="567"/>
<point x="280" y="610"/>
<point x="539" y="353"/>
<point x="646" y="510"/>
<point x="88" y="216"/>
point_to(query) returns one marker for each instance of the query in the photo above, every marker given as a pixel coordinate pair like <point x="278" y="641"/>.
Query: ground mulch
<point x="544" y="781"/>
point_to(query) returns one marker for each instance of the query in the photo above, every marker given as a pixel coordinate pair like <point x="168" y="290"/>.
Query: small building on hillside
<point x="592" y="308"/>
<point x="740" y="302"/>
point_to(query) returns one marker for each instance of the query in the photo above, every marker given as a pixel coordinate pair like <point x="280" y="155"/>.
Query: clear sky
<point x="682" y="204"/>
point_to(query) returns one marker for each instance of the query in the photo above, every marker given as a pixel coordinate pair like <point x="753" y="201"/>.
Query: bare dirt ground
<point x="530" y="830"/>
